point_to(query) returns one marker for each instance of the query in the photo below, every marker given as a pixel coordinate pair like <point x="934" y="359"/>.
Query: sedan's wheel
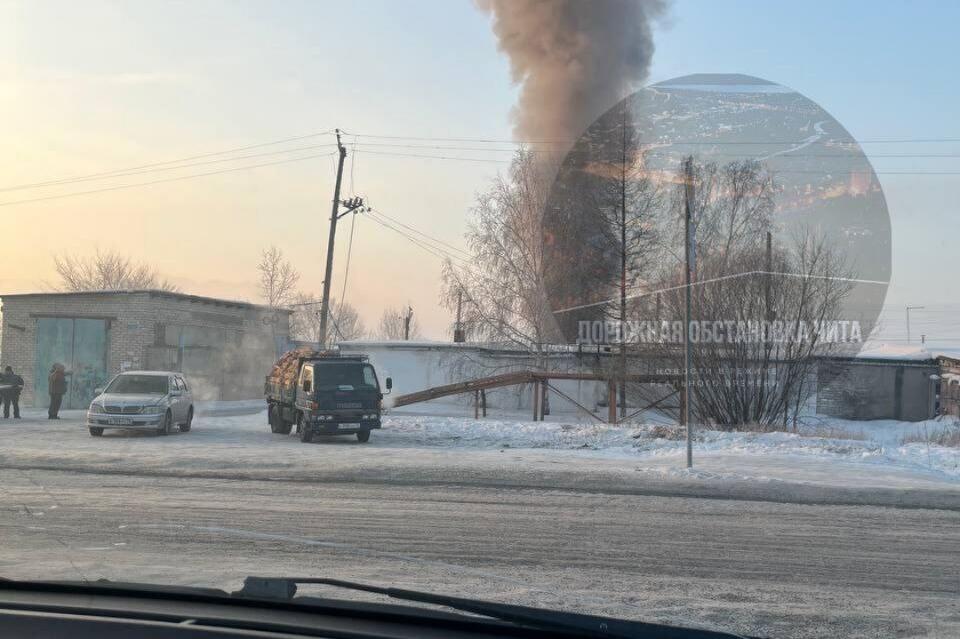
<point x="363" y="436"/>
<point x="166" y="426"/>
<point x="96" y="431"/>
<point x="304" y="430"/>
<point x="185" y="427"/>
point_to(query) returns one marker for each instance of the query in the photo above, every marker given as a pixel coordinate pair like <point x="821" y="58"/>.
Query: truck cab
<point x="338" y="396"/>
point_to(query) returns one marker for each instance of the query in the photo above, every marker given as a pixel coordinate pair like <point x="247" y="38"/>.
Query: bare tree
<point x="602" y="222"/>
<point x="305" y="322"/>
<point x="393" y="325"/>
<point x="503" y="286"/>
<point x="278" y="278"/>
<point x="761" y="316"/>
<point x="347" y="323"/>
<point x="108" y="271"/>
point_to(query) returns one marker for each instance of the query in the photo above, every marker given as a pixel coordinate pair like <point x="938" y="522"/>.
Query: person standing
<point x="12" y="394"/>
<point x="57" y="383"/>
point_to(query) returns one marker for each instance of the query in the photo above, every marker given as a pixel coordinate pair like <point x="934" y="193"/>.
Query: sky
<point x="98" y="86"/>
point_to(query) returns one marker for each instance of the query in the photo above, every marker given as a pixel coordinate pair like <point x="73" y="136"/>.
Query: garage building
<point x="224" y="347"/>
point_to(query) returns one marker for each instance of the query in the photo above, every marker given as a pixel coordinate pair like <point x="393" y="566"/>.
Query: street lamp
<point x="911" y="308"/>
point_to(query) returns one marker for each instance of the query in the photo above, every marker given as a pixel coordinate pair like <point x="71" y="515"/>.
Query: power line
<point x="477" y="140"/>
<point x="436" y="251"/>
<point x="655" y="151"/>
<point x="179" y="163"/>
<point x="427" y="247"/>
<point x="164" y="168"/>
<point x="161" y="181"/>
<point x="184" y="159"/>
<point x="435" y="157"/>
<point x="346" y="270"/>
<point x="929" y="140"/>
<point x="779" y="171"/>
<point x="419" y="232"/>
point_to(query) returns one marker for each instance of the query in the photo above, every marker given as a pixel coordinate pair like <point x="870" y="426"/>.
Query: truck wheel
<point x="363" y="436"/>
<point x="277" y="423"/>
<point x="304" y="430"/>
<point x="96" y="431"/>
<point x="274" y="419"/>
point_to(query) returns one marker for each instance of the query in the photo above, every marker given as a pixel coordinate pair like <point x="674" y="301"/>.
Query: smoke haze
<point x="574" y="59"/>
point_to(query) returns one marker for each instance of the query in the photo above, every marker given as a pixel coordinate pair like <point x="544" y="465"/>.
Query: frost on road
<point x="771" y="534"/>
<point x="418" y="447"/>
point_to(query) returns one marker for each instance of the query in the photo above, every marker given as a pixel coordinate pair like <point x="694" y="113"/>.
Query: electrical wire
<point x="346" y="270"/>
<point x="164" y="168"/>
<point x="931" y="140"/>
<point x="161" y="181"/>
<point x="177" y="161"/>
<point x="435" y="251"/>
<point x="419" y="232"/>
<point x="778" y="171"/>
<point x="436" y="157"/>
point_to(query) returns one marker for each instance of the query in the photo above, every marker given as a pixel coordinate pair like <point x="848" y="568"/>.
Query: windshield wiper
<point x="285" y="588"/>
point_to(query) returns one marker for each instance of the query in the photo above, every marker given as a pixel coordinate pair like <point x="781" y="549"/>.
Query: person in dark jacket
<point x="11" y="395"/>
<point x="57" y="383"/>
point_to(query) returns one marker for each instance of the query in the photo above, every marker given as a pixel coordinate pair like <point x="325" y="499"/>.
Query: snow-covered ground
<point x="223" y="442"/>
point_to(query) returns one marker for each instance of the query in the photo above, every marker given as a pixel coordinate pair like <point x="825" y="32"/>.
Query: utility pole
<point x="623" y="265"/>
<point x="911" y="308"/>
<point x="351" y="205"/>
<point x="687" y="246"/>
<point x="458" y="335"/>
<point x="334" y="216"/>
<point x="406" y="323"/>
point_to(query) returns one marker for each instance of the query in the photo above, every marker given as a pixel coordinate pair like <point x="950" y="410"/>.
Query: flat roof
<point x="153" y="293"/>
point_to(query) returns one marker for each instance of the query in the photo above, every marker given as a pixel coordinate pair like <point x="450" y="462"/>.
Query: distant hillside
<point x="715" y="78"/>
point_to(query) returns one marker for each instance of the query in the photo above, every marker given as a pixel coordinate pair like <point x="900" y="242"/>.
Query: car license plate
<point x="120" y="421"/>
<point x="347" y="426"/>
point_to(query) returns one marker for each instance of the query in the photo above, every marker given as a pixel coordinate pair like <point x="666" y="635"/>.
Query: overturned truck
<point x="324" y="393"/>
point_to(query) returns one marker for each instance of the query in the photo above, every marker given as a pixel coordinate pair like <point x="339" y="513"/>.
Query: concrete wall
<point x="854" y="389"/>
<point x="415" y="366"/>
<point x="135" y="321"/>
<point x="848" y="388"/>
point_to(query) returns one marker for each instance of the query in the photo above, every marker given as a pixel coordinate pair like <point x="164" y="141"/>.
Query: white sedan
<point x="142" y="400"/>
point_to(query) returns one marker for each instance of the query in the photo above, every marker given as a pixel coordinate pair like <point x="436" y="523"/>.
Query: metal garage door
<point x="80" y="344"/>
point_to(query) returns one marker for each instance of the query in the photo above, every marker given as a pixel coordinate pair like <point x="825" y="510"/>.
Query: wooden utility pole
<point x="458" y="335"/>
<point x="406" y="323"/>
<point x="623" y="264"/>
<point x="334" y="216"/>
<point x="688" y="280"/>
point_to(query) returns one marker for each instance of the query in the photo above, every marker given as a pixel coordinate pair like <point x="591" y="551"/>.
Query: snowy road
<point x="584" y="456"/>
<point x="772" y="569"/>
<point x="560" y="515"/>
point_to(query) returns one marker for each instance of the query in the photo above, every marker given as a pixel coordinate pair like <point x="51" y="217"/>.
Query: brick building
<point x="878" y="388"/>
<point x="948" y="389"/>
<point x="224" y="347"/>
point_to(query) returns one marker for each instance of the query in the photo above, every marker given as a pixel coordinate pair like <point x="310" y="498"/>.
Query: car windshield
<point x="138" y="385"/>
<point x="639" y="308"/>
<point x="335" y="374"/>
